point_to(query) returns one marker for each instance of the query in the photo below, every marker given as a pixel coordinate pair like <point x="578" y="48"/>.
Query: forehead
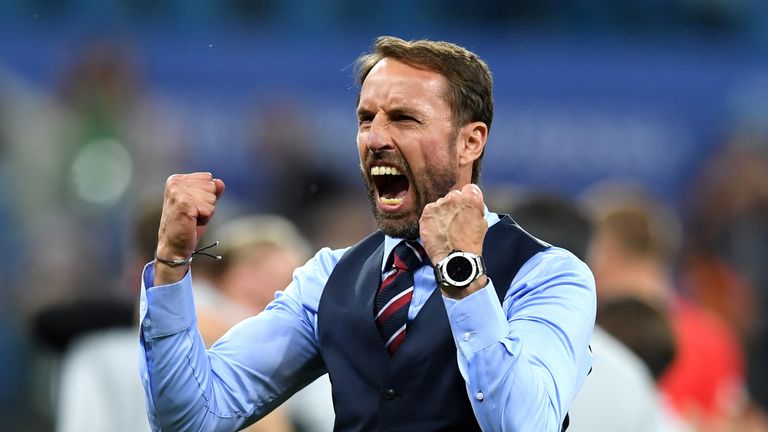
<point x="392" y="82"/>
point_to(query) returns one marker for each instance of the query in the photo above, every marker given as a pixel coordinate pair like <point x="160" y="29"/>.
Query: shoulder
<point x="326" y="259"/>
<point x="556" y="261"/>
<point x="308" y="280"/>
<point x="553" y="268"/>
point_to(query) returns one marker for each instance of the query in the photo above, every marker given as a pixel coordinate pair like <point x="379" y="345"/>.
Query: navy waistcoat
<point x="418" y="389"/>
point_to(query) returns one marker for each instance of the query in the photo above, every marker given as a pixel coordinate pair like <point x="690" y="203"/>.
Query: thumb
<point x="219" y="187"/>
<point x="475" y="195"/>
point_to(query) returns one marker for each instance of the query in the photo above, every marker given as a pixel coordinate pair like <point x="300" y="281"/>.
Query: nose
<point x="378" y="137"/>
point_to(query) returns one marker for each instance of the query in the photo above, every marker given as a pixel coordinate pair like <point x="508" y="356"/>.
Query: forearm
<point x="509" y="392"/>
<point x="176" y="397"/>
<point x="506" y="390"/>
<point x="174" y="366"/>
<point x="524" y="361"/>
<point x="242" y="377"/>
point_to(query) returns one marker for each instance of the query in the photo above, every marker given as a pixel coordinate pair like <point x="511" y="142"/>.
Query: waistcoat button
<point x="389" y="394"/>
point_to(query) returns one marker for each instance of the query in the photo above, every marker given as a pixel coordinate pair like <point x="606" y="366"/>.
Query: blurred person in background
<point x="97" y="390"/>
<point x="643" y="327"/>
<point x="646" y="330"/>
<point x="81" y="183"/>
<point x="424" y="111"/>
<point x="277" y="168"/>
<point x="294" y="174"/>
<point x="726" y="248"/>
<point x="259" y="254"/>
<point x="616" y="370"/>
<point x="111" y="115"/>
<point x="633" y="252"/>
<point x="321" y="225"/>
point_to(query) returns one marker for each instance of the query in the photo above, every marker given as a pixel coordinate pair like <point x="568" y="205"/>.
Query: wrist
<point x="169" y="253"/>
<point x="170" y="265"/>
<point x="172" y="270"/>
<point x="460" y="293"/>
<point x="166" y="274"/>
<point x="459" y="271"/>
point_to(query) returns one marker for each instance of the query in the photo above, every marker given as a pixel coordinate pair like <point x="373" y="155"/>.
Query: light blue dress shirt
<point x="523" y="360"/>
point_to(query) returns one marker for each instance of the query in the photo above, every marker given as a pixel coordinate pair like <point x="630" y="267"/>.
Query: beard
<point x="426" y="187"/>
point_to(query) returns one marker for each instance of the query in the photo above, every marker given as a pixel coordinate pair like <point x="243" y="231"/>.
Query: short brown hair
<point x="642" y="230"/>
<point x="470" y="83"/>
<point x="643" y="327"/>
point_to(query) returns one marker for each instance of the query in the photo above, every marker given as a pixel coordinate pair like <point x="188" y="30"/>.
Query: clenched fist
<point x="455" y="222"/>
<point x="188" y="205"/>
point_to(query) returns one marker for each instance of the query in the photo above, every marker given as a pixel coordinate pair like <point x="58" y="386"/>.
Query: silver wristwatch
<point x="459" y="269"/>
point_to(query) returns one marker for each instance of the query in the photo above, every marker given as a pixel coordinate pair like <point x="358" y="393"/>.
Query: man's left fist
<point x="454" y="222"/>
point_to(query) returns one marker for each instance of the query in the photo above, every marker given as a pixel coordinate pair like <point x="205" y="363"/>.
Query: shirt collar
<point x="391" y="242"/>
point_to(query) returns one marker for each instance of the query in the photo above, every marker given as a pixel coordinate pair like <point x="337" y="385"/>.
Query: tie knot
<point x="408" y="256"/>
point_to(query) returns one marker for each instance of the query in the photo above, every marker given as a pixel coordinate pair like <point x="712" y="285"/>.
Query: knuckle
<point x="170" y="192"/>
<point x="173" y="178"/>
<point x="174" y="189"/>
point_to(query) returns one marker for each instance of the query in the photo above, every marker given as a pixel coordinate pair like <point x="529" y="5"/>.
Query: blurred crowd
<point x="88" y="162"/>
<point x="682" y="334"/>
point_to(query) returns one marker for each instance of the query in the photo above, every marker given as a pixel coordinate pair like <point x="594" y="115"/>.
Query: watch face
<point x="459" y="269"/>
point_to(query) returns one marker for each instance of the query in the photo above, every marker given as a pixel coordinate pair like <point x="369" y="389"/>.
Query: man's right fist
<point x="188" y="205"/>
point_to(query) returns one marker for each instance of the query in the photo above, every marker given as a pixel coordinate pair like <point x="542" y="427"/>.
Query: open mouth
<point x="391" y="185"/>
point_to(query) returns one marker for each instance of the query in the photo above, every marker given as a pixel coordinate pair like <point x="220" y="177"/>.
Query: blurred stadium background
<point x="101" y="100"/>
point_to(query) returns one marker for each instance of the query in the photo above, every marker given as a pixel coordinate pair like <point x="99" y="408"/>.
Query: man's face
<point x="407" y="144"/>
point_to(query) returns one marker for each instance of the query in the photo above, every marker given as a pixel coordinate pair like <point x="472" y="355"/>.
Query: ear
<point x="472" y="138"/>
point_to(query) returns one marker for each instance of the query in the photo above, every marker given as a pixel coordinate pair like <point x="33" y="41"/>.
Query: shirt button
<point x="389" y="394"/>
<point x="480" y="396"/>
<point x="147" y="323"/>
<point x="467" y="336"/>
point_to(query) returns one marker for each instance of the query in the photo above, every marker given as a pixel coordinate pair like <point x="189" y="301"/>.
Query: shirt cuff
<point x="166" y="309"/>
<point x="477" y="321"/>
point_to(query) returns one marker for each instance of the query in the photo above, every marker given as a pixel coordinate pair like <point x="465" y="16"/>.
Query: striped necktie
<point x="395" y="293"/>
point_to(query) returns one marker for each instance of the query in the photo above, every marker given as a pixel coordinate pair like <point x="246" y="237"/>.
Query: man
<point x="502" y="345"/>
<point x="632" y="254"/>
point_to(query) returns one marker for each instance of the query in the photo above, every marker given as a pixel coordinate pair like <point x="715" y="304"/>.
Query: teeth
<point x="391" y="201"/>
<point x="384" y="170"/>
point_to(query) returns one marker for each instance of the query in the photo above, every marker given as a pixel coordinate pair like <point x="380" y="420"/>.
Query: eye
<point x="364" y="120"/>
<point x="404" y="118"/>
